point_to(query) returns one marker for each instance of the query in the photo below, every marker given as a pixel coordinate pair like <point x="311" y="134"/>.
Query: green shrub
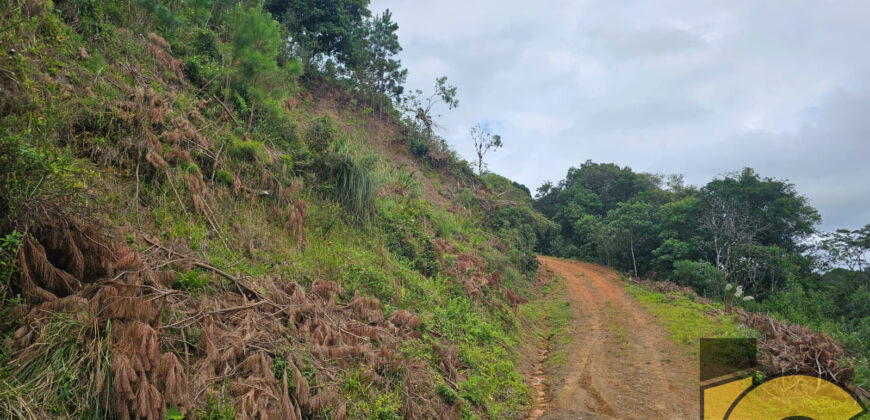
<point x="273" y="123"/>
<point x="418" y="145"/>
<point x="224" y="177"/>
<point x="191" y="281"/>
<point x="702" y="277"/>
<point x="287" y="161"/>
<point x="321" y="134"/>
<point x="447" y="393"/>
<point x="189" y="167"/>
<point x="9" y="245"/>
<point x="248" y="150"/>
<point x="32" y="176"/>
<point x="216" y="408"/>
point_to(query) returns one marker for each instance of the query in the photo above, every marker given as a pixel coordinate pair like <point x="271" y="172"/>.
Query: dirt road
<point x="621" y="365"/>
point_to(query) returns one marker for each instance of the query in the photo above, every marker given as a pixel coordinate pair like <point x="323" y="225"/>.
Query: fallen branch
<point x="194" y="261"/>
<point x="227" y="109"/>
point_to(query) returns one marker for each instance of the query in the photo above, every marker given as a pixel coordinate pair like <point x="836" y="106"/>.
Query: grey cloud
<point x="645" y="43"/>
<point x="645" y="115"/>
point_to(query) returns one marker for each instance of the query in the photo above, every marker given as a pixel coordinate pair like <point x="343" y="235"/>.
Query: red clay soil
<point x="621" y="365"/>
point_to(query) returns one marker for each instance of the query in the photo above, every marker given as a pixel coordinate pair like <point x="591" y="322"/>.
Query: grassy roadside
<point x="686" y="319"/>
<point x="549" y="316"/>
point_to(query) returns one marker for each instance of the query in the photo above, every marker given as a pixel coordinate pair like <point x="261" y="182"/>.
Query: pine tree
<point x="386" y="70"/>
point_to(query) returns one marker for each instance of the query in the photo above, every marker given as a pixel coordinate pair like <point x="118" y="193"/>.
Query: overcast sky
<point x="700" y="88"/>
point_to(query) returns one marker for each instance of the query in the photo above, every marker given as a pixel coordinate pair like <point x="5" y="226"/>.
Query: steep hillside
<point x="191" y="229"/>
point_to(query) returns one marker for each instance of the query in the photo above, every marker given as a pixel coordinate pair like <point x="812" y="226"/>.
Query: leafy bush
<point x="798" y="305"/>
<point x="191" y="281"/>
<point x="702" y="277"/>
<point x="216" y="408"/>
<point x="322" y="134"/>
<point x="189" y="167"/>
<point x="274" y="124"/>
<point x="248" y="150"/>
<point x="418" y="145"/>
<point x="224" y="177"/>
<point x="32" y="177"/>
<point x="406" y="237"/>
<point x="447" y="393"/>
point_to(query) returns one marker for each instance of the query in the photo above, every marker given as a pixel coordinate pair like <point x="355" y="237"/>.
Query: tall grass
<point x="350" y="182"/>
<point x="65" y="370"/>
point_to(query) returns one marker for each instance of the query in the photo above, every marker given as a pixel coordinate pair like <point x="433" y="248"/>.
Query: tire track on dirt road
<point x="621" y="365"/>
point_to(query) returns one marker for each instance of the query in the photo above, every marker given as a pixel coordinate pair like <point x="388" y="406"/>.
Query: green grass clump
<point x="248" y="150"/>
<point x="224" y="177"/>
<point x="364" y="404"/>
<point x="217" y="407"/>
<point x="350" y="182"/>
<point x="61" y="373"/>
<point x="191" y="281"/>
<point x="287" y="161"/>
<point x="687" y="320"/>
<point x="189" y="167"/>
<point x="551" y="314"/>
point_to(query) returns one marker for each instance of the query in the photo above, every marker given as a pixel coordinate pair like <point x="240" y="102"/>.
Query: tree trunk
<point x="631" y="245"/>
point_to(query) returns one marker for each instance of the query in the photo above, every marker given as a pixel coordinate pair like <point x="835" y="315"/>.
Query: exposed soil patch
<point x="623" y="365"/>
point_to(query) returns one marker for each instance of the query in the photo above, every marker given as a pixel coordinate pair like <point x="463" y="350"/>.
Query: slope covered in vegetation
<point x="214" y="211"/>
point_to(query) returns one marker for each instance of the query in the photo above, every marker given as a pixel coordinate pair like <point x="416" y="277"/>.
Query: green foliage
<point x="62" y="373"/>
<point x="848" y="248"/>
<point x="386" y="71"/>
<point x="417" y="144"/>
<point x="349" y="182"/>
<point x="217" y="407"/>
<point x="189" y="167"/>
<point x="192" y="281"/>
<point x="686" y="320"/>
<point x="365" y="404"/>
<point x="32" y="176"/>
<point x="521" y="226"/>
<point x="248" y="150"/>
<point x="406" y="238"/>
<point x="774" y="204"/>
<point x="707" y="280"/>
<point x="447" y="393"/>
<point x="322" y="134"/>
<point x="507" y="189"/>
<point x="256" y="38"/>
<point x="745" y="225"/>
<point x="9" y="245"/>
<point x="324" y="28"/>
<point x="224" y="177"/>
<point x="91" y="17"/>
<point x="173" y="413"/>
